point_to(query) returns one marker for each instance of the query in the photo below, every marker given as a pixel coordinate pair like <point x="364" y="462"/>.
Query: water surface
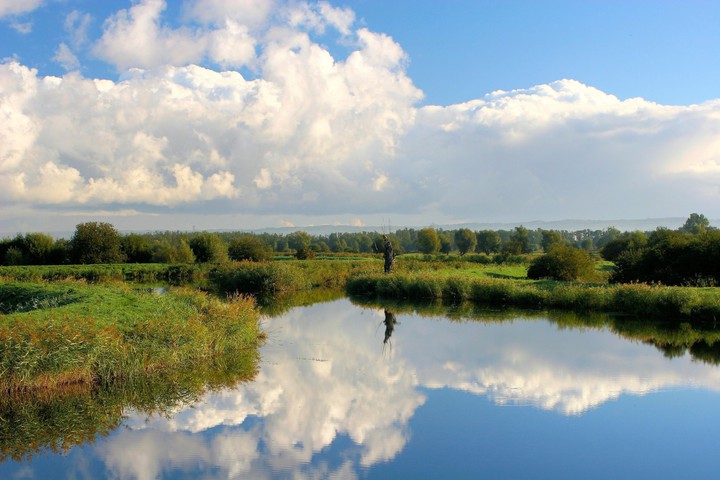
<point x="347" y="391"/>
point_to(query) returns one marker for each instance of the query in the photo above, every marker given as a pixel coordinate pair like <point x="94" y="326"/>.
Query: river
<point x="353" y="391"/>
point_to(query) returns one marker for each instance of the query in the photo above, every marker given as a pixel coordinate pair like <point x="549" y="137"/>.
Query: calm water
<point x="356" y="392"/>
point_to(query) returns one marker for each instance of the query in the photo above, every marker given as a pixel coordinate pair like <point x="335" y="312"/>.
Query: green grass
<point x="144" y="272"/>
<point x="108" y="333"/>
<point x="656" y="301"/>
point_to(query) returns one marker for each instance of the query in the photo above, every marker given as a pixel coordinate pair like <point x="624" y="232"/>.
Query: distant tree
<point x="14" y="256"/>
<point x="60" y="252"/>
<point x="522" y="236"/>
<point x="428" y="240"/>
<point x="365" y="243"/>
<point x="183" y="253"/>
<point x="96" y="242"/>
<point x="321" y="246"/>
<point x="37" y="248"/>
<point x="623" y="243"/>
<point x="208" y="248"/>
<point x="249" y="247"/>
<point x="587" y="244"/>
<point x="488" y="241"/>
<point x="305" y="253"/>
<point x="299" y="240"/>
<point x="550" y="238"/>
<point x="465" y="240"/>
<point x="562" y="262"/>
<point x="137" y="248"/>
<point x="446" y="244"/>
<point x="695" y="224"/>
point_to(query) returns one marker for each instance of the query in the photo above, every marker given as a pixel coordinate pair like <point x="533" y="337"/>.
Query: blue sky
<point x="261" y="113"/>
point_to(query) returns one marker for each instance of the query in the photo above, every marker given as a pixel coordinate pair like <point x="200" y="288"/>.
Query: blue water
<point x="514" y="399"/>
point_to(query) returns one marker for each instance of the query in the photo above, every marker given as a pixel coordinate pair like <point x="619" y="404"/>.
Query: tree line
<point x="689" y="255"/>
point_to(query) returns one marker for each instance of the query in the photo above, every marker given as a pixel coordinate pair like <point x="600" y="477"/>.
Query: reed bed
<point x="112" y="333"/>
<point x="634" y="299"/>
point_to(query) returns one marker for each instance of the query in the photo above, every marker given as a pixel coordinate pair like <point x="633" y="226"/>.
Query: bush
<point x="562" y="263"/>
<point x="249" y="247"/>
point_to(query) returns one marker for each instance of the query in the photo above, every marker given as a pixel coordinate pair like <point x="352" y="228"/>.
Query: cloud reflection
<point x="327" y="375"/>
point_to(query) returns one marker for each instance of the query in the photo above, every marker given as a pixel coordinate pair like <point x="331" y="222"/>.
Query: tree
<point x="695" y="224"/>
<point x="37" y="248"/>
<point x="96" y="242"/>
<point x="428" y="241"/>
<point x="249" y="247"/>
<point x="623" y="243"/>
<point x="299" y="240"/>
<point x="465" y="240"/>
<point x="183" y="253"/>
<point x="137" y="248"/>
<point x="519" y="242"/>
<point x="550" y="238"/>
<point x="488" y="241"/>
<point x="445" y="243"/>
<point x="208" y="247"/>
<point x="562" y="262"/>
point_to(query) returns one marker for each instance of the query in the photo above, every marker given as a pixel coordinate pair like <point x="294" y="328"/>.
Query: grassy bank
<point x="131" y="272"/>
<point x="71" y="332"/>
<point x="635" y="299"/>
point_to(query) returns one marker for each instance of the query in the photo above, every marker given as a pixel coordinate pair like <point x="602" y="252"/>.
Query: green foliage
<point x="673" y="258"/>
<point x="305" y="253"/>
<point x="550" y="238"/>
<point x="564" y="263"/>
<point x="465" y="240"/>
<point x="445" y="243"/>
<point x="249" y="247"/>
<point x="262" y="279"/>
<point x="623" y="243"/>
<point x="428" y="241"/>
<point x="641" y="300"/>
<point x="488" y="241"/>
<point x="137" y="248"/>
<point x="299" y="240"/>
<point x="695" y="224"/>
<point x="518" y="243"/>
<point x="96" y="242"/>
<point x="208" y="248"/>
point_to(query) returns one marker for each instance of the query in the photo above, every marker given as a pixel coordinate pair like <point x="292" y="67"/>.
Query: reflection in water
<point x="390" y="321"/>
<point x="327" y="402"/>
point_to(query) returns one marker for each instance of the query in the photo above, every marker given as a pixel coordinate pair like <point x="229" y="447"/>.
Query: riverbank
<point x="72" y="332"/>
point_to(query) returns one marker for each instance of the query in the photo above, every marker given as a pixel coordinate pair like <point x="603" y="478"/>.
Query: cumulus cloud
<point x="136" y="37"/>
<point x="308" y="132"/>
<point x="17" y="7"/>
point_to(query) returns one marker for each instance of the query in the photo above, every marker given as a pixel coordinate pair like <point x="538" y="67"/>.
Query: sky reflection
<point x="335" y="399"/>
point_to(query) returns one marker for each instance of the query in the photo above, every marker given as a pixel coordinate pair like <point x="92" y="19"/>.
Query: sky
<point x="215" y="114"/>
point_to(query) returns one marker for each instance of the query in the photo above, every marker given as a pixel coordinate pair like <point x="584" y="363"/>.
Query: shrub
<point x="249" y="247"/>
<point x="562" y="263"/>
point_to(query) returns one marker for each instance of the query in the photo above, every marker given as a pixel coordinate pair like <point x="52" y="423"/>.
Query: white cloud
<point x="252" y="13"/>
<point x="77" y="25"/>
<point x="136" y="37"/>
<point x="312" y="134"/>
<point x="66" y="58"/>
<point x="22" y="27"/>
<point x="17" y="7"/>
